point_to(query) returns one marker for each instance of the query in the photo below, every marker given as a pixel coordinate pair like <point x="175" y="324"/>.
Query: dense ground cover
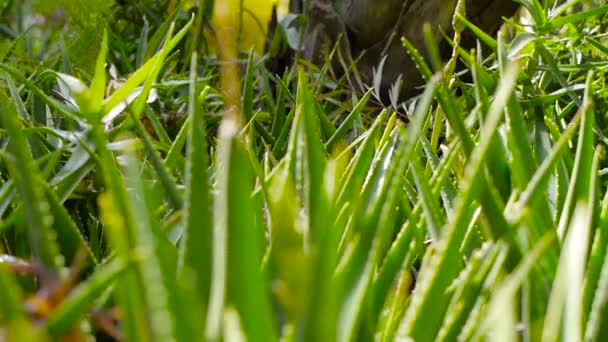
<point x="149" y="190"/>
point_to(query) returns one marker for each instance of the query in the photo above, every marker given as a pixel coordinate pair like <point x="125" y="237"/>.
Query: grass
<point x="150" y="189"/>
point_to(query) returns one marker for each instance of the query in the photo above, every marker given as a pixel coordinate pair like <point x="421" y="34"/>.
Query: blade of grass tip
<point x="143" y="44"/>
<point x="479" y="312"/>
<point x="61" y="108"/>
<point x="196" y="244"/>
<point x="352" y="181"/>
<point x="173" y="195"/>
<point x="247" y="99"/>
<point x="540" y="177"/>
<point x="479" y="33"/>
<point x="566" y="163"/>
<point x="97" y="90"/>
<point x="441" y="179"/>
<point x="65" y="59"/>
<point x="580" y="181"/>
<point x="374" y="188"/>
<point x="575" y="314"/>
<point x="311" y="158"/>
<point x="536" y="10"/>
<point x="23" y="113"/>
<point x="277" y="101"/>
<point x="9" y="190"/>
<point x="560" y="8"/>
<point x="327" y="128"/>
<point x="554" y="70"/>
<point x="522" y="156"/>
<point x="389" y="127"/>
<point x="289" y="260"/>
<point x="176" y="149"/>
<point x="74" y="175"/>
<point x="448" y="190"/>
<point x="415" y="55"/>
<point x="238" y="247"/>
<point x="128" y="290"/>
<point x="154" y="273"/>
<point x="388" y="219"/>
<point x="379" y="216"/>
<point x="560" y="21"/>
<point x="597" y="258"/>
<point x="428" y="306"/>
<point x="306" y="160"/>
<point x="496" y="226"/>
<point x="596" y="326"/>
<point x="7" y="193"/>
<point x="157" y="126"/>
<point x="432" y="47"/>
<point x="69" y="237"/>
<point x="141" y="102"/>
<point x="282" y="142"/>
<point x="117" y="217"/>
<point x="229" y="128"/>
<point x="598" y="45"/>
<point x="373" y="224"/>
<point x="237" y="251"/>
<point x="160" y="35"/>
<point x="466" y="289"/>
<point x="567" y="290"/>
<point x="576" y="246"/>
<point x="434" y="216"/>
<point x="142" y="73"/>
<point x="470" y="292"/>
<point x="398" y="304"/>
<point x="348" y="122"/>
<point x="455" y="118"/>
<point x="500" y="305"/>
<point x="597" y="283"/>
<point x="193" y="41"/>
<point x="423" y="110"/>
<point x="401" y="246"/>
<point x="518" y="136"/>
<point x="42" y="239"/>
<point x="83" y="298"/>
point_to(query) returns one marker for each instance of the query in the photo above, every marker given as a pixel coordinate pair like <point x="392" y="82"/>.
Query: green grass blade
<point x="499" y="321"/>
<point x="174" y="156"/>
<point x="237" y="250"/>
<point x="143" y="73"/>
<point x="37" y="211"/>
<point x="429" y="303"/>
<point x="580" y="182"/>
<point x="155" y="266"/>
<point x="567" y="291"/>
<point x="348" y="122"/>
<point x="196" y="245"/>
<point x="309" y="164"/>
<point x="558" y="22"/>
<point x="174" y="197"/>
<point x="69" y="237"/>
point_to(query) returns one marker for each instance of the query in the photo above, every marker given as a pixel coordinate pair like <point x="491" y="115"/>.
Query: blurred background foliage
<point x="35" y="32"/>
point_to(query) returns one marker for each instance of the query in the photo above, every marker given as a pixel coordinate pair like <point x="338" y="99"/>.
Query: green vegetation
<point x="150" y="193"/>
